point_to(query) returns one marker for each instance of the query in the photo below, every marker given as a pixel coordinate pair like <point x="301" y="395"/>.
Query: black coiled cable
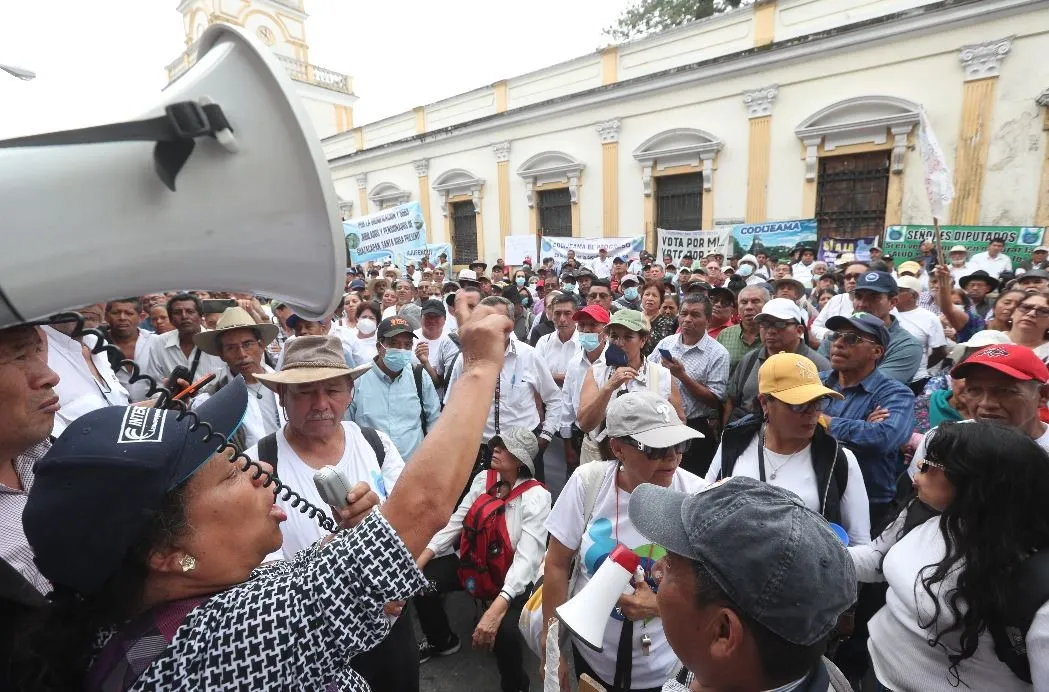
<point x="167" y="400"/>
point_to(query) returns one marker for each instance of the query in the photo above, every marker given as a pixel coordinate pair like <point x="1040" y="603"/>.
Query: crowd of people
<point x="831" y="473"/>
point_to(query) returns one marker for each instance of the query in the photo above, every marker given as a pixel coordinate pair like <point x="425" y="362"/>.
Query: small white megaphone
<point x="586" y="613"/>
<point x="95" y="214"/>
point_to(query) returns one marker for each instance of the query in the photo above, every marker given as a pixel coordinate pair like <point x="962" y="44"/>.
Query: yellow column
<point x="420" y="120"/>
<point x="340" y="119"/>
<point x="502" y="165"/>
<point x="500" y="96"/>
<point x="349" y="116"/>
<point x="422" y="169"/>
<point x="362" y="193"/>
<point x="609" y="133"/>
<point x="480" y="227"/>
<point x="358" y="137"/>
<point x="759" y="110"/>
<point x="810" y="154"/>
<point x="1041" y="216"/>
<point x="764" y="22"/>
<point x="576" y="219"/>
<point x="982" y="64"/>
<point x="609" y="65"/>
<point x="707" y="199"/>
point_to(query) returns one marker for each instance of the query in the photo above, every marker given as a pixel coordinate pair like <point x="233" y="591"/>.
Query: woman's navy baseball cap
<point x="102" y="482"/>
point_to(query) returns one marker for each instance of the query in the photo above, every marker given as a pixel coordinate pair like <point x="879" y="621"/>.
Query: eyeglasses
<point x="1038" y="311"/>
<point x="923" y="465"/>
<point x="598" y="296"/>
<point x="850" y="338"/>
<point x="657" y="453"/>
<point x="853" y="277"/>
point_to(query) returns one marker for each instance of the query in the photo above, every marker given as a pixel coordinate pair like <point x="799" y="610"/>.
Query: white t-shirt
<point x="358" y="464"/>
<point x="992" y="265"/>
<point x="926" y="328"/>
<point x="795" y="473"/>
<point x="442" y="352"/>
<point x="593" y="543"/>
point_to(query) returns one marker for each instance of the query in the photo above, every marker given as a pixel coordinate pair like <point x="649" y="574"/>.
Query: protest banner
<point x="385" y="233"/>
<point x="832" y="248"/>
<point x="695" y="243"/>
<point x="902" y="242"/>
<point x="517" y="247"/>
<point x="430" y="251"/>
<point x="776" y="238"/>
<point x="586" y="248"/>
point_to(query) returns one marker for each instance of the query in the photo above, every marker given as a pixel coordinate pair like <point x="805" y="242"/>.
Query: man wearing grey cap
<point x="752" y="585"/>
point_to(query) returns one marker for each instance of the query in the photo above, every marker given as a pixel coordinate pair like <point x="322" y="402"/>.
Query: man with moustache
<point x="177" y="348"/>
<point x="29" y="403"/>
<point x="123" y="317"/>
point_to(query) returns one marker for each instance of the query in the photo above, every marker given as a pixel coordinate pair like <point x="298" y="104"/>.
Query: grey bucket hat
<point x="521" y="443"/>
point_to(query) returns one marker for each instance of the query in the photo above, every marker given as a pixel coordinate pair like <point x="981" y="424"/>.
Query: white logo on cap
<point x="807" y="371"/>
<point x="873" y="276"/>
<point x="664" y="411"/>
<point x="141" y="425"/>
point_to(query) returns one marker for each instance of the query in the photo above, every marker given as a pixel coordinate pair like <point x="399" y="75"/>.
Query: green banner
<point x="902" y="241"/>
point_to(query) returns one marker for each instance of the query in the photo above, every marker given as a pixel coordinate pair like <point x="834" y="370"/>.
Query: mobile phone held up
<point x="666" y="354"/>
<point x="616" y="357"/>
<point x="332" y="486"/>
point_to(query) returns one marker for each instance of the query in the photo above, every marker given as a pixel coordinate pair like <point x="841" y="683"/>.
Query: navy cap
<point x="879" y="282"/>
<point x="864" y="322"/>
<point x="356" y="284"/>
<point x="794" y="575"/>
<point x="110" y="471"/>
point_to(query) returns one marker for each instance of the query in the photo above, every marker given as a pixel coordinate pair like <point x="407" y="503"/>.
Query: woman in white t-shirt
<point x="786" y="447"/>
<point x="953" y="579"/>
<point x="627" y="332"/>
<point x="363" y="347"/>
<point x="647" y="439"/>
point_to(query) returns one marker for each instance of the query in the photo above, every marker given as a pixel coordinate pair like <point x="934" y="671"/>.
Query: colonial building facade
<point x="785" y="109"/>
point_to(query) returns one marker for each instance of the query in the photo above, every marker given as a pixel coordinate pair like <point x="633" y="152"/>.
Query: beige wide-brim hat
<point x="233" y="318"/>
<point x="312" y="359"/>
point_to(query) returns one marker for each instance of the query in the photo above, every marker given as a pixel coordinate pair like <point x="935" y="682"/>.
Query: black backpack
<point x="268" y="448"/>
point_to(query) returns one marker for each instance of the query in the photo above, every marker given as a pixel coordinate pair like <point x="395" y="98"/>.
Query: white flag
<point x="938" y="182"/>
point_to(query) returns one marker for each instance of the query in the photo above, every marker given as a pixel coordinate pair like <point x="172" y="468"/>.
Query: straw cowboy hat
<point x="233" y="318"/>
<point x="312" y="359"/>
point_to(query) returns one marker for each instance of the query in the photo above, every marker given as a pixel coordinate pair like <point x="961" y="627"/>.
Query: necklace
<point x="776" y="469"/>
<point x="761" y="456"/>
<point x="256" y="391"/>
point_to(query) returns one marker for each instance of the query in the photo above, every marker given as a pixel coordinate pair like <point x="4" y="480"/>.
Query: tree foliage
<point x="650" y="16"/>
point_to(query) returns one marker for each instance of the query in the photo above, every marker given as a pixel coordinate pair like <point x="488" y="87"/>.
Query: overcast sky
<point x="103" y="60"/>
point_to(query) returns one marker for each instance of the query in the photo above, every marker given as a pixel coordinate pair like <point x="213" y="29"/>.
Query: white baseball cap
<point x="783" y="309"/>
<point x="957" y="248"/>
<point x="647" y="418"/>
<point x="910" y="283"/>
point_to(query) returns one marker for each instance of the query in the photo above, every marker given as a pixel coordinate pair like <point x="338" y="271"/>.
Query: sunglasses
<point x="776" y="324"/>
<point x="809" y="406"/>
<point x="923" y="465"/>
<point x="850" y="338"/>
<point x="657" y="453"/>
<point x="853" y="277"/>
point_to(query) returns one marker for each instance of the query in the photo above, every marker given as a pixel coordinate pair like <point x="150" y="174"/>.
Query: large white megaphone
<point x="253" y="210"/>
<point x="586" y="613"/>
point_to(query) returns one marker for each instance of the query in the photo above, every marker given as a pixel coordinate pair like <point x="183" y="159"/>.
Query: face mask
<point x="397" y="359"/>
<point x="366" y="325"/>
<point x="630" y="293"/>
<point x="520" y="281"/>
<point x="745" y="270"/>
<point x="526" y="302"/>
<point x="671" y="275"/>
<point x="569" y="288"/>
<point x="589" y="342"/>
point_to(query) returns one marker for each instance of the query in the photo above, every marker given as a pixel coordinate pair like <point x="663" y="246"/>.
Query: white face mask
<point x="366" y="325"/>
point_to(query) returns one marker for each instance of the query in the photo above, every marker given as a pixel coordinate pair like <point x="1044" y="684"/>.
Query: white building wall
<point x="322" y="115"/>
<point x="802" y="17"/>
<point x="552" y="82"/>
<point x="469" y="106"/>
<point x="721" y="35"/>
<point x="922" y="68"/>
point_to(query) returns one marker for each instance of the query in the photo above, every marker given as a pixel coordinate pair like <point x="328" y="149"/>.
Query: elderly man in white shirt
<point x="993" y="260"/>
<point x="601" y="265"/>
<point x="924" y="326"/>
<point x="558" y="348"/>
<point x="524" y="377"/>
<point x="839" y="305"/>
<point x="959" y="257"/>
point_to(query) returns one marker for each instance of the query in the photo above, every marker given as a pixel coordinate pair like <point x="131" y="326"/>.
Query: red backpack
<point x="485" y="553"/>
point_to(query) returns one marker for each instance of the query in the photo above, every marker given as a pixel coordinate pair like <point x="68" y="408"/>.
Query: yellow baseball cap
<point x="911" y="266"/>
<point x="792" y="379"/>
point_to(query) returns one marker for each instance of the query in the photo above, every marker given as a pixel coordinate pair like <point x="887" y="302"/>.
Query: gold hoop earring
<point x="188" y="563"/>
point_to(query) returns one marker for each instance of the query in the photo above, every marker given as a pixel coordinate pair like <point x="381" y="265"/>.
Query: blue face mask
<point x="589" y="342"/>
<point x="569" y="288"/>
<point x="520" y="281"/>
<point x="630" y="292"/>
<point x="526" y="302"/>
<point x="397" y="359"/>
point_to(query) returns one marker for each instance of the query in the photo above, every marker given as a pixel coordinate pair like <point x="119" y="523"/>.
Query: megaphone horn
<point x="91" y="215"/>
<point x="586" y="613"/>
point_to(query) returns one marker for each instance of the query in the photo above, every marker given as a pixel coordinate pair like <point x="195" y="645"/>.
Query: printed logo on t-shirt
<point x="141" y="425"/>
<point x="604" y="543"/>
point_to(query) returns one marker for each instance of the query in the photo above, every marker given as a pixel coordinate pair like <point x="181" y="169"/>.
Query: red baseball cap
<point x="595" y="312"/>
<point x="1018" y="362"/>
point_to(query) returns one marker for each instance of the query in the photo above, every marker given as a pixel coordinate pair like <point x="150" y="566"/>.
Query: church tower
<point x="281" y="25"/>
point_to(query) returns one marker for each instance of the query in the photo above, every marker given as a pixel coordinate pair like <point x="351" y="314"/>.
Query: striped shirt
<point x="14" y="547"/>
<point x="706" y="362"/>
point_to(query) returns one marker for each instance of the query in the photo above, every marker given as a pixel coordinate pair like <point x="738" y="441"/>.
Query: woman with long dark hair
<point x="953" y="579"/>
